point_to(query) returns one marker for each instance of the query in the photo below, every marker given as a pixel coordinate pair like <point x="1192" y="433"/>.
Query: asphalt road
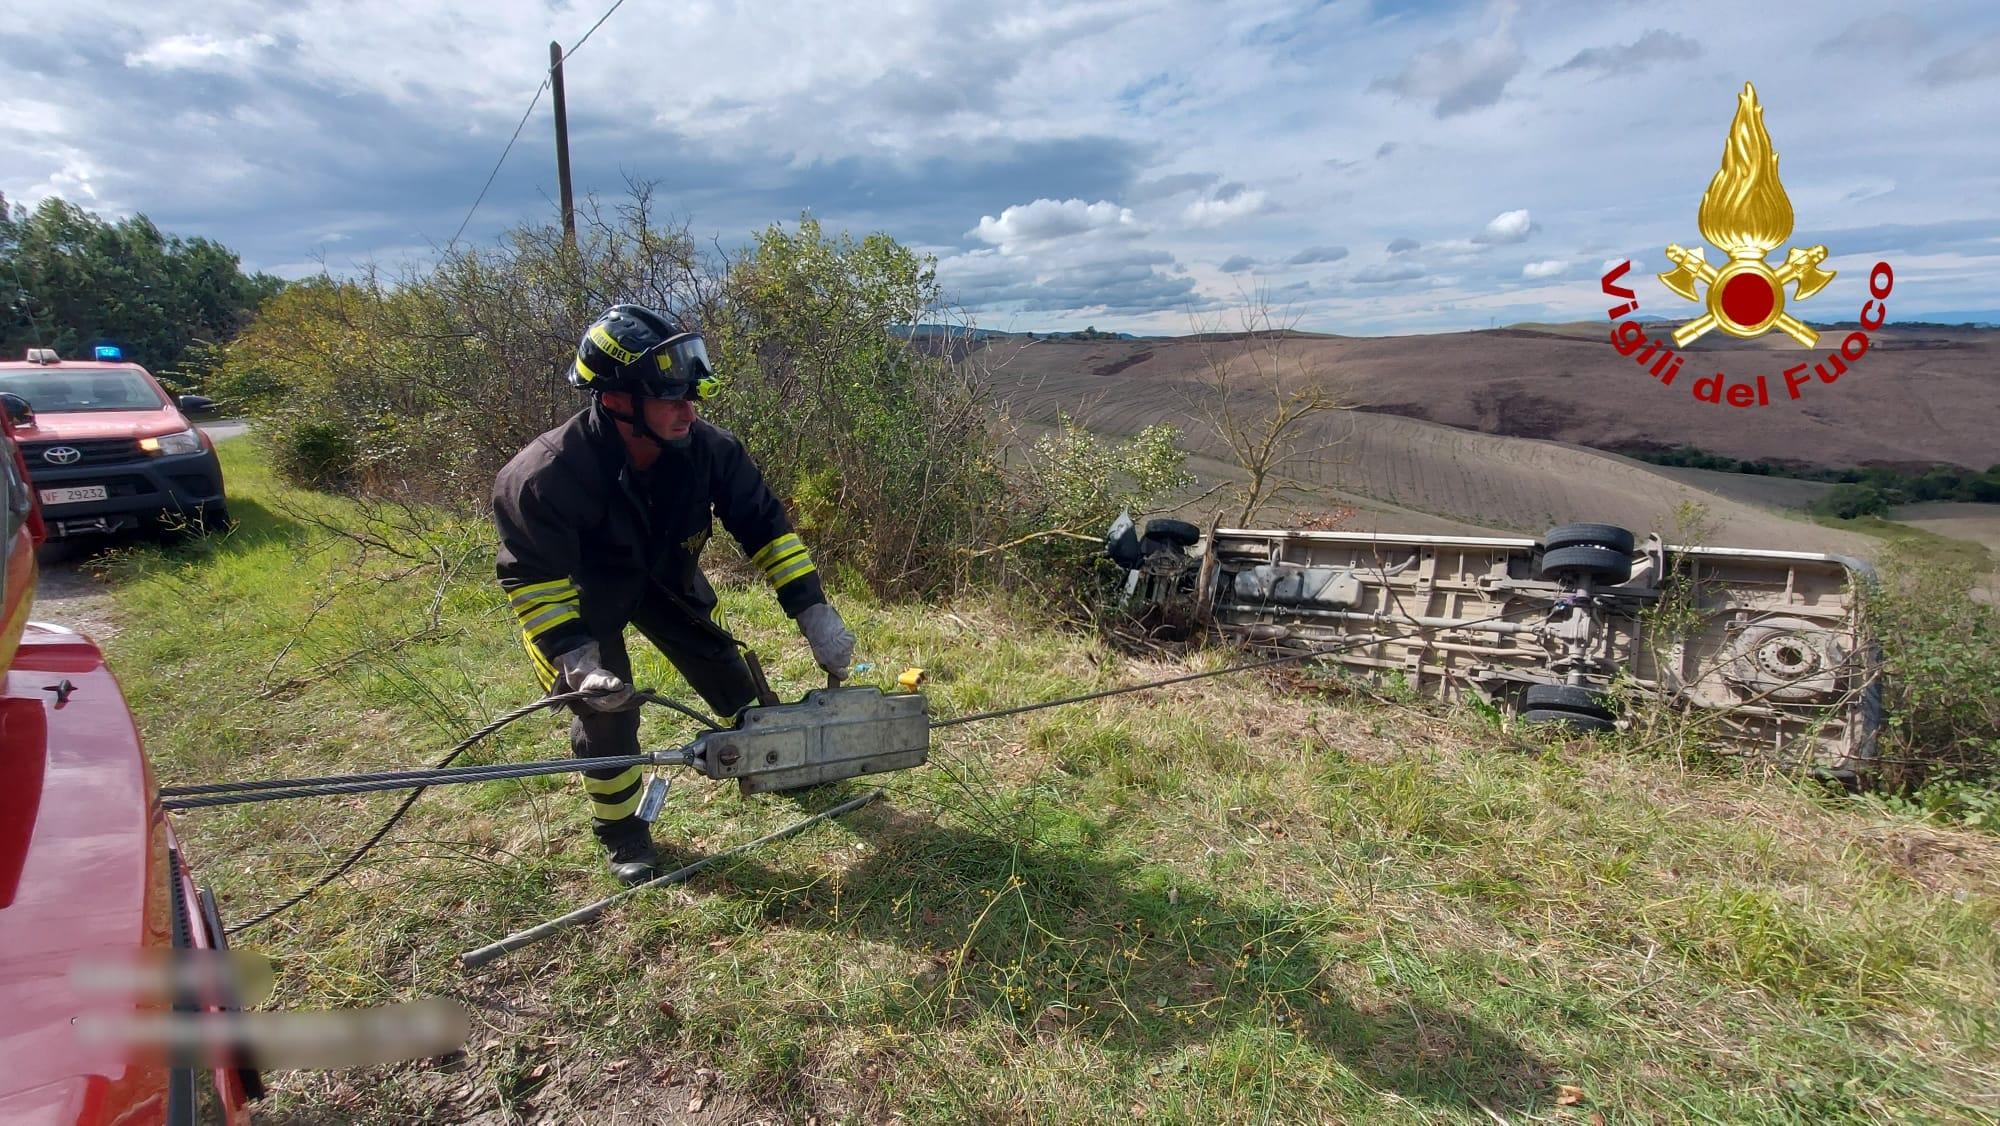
<point x="67" y="593"/>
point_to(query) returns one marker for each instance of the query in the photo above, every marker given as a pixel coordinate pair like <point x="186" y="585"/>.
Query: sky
<point x="1151" y="166"/>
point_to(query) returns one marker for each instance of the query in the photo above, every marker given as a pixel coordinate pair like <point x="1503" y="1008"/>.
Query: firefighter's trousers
<point x="710" y="663"/>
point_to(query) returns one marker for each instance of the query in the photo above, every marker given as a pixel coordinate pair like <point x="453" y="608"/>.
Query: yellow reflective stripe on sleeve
<point x="601" y="336"/>
<point x="798" y="570"/>
<point x="538" y="604"/>
<point x="549" y="619"/>
<point x="534" y="591"/>
<point x="527" y="610"/>
<point x="782" y="545"/>
<point x="544" y="671"/>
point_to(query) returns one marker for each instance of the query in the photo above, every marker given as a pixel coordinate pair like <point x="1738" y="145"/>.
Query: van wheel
<point x="1173" y="531"/>
<point x="1565" y="698"/>
<point x="1577" y="720"/>
<point x="1600" y="562"/>
<point x="1603" y="535"/>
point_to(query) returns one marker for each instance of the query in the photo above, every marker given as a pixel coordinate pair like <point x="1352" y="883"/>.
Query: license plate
<point x="74" y="494"/>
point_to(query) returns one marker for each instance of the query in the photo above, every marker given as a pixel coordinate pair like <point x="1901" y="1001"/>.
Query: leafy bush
<point x="1852" y="500"/>
<point x="317" y="452"/>
<point x="1941" y="660"/>
<point x="887" y="452"/>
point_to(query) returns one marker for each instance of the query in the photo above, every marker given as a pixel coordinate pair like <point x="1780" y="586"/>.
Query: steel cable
<point x="552" y="700"/>
<point x="284" y="789"/>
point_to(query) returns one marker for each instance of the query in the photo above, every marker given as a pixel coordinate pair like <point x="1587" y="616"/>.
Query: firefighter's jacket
<point x="584" y="537"/>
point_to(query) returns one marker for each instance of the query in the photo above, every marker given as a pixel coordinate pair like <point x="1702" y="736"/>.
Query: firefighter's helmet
<point x="632" y="348"/>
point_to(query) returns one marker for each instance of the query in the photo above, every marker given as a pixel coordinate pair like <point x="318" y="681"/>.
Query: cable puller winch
<point x="829" y="735"/>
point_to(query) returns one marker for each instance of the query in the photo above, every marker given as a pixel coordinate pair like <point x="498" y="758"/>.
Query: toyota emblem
<point x="63" y="455"/>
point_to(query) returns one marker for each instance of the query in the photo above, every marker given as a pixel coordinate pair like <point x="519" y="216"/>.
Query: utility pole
<point x="562" y="144"/>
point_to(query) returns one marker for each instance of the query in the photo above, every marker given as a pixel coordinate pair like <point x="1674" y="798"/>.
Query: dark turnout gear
<point x="589" y="544"/>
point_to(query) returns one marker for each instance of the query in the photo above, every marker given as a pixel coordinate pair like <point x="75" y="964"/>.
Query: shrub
<point x="886" y="450"/>
<point x="316" y="452"/>
<point x="1848" y="501"/>
<point x="1941" y="660"/>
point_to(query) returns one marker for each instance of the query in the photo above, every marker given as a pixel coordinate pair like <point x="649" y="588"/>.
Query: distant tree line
<point x="1863" y="491"/>
<point x="71" y="280"/>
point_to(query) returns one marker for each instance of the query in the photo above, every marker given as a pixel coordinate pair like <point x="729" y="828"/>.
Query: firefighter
<point x="602" y="522"/>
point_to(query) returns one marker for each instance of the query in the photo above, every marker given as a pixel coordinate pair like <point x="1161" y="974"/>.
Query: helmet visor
<point x="678" y="368"/>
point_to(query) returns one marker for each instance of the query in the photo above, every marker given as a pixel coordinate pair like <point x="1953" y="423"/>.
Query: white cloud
<point x="1508" y="226"/>
<point x="198" y="50"/>
<point x="1980" y="60"/>
<point x="1547" y="268"/>
<point x="1046" y="220"/>
<point x="1216" y="211"/>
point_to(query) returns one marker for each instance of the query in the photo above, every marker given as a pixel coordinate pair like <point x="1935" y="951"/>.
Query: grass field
<point x="1251" y="899"/>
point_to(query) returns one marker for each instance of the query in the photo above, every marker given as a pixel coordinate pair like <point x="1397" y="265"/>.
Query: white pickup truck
<point x="1765" y="650"/>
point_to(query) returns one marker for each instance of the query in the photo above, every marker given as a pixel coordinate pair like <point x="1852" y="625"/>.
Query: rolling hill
<point x="1510" y="430"/>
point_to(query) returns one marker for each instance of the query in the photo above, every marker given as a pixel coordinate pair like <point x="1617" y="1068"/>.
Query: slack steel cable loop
<point x="649" y="697"/>
<point x="553" y="700"/>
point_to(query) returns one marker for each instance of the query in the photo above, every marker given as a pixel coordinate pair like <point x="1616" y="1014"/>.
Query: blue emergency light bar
<point x="109" y="354"/>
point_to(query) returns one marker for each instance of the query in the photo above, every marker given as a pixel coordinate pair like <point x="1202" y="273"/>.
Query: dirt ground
<point x="1918" y="395"/>
<point x="1409" y="475"/>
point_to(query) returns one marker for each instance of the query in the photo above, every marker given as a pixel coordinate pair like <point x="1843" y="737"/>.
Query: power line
<point x="578" y="45"/>
<point x="532" y="103"/>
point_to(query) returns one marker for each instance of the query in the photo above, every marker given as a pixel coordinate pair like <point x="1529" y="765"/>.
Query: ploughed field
<point x="1919" y="395"/>
<point x="1401" y="473"/>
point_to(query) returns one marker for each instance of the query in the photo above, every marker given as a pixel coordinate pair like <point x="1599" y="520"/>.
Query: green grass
<point x="1944" y="549"/>
<point x="1228" y="901"/>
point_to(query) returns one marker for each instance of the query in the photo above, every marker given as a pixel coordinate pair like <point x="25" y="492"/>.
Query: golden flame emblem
<point x="1746" y="214"/>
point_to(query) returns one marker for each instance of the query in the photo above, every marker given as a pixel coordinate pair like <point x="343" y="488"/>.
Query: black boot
<point x="629" y="840"/>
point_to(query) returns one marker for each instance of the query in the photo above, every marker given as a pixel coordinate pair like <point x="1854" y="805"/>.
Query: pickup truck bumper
<point x="141" y="493"/>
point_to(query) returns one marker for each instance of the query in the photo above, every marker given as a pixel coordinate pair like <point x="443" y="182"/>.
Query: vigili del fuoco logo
<point x="1745" y="214"/>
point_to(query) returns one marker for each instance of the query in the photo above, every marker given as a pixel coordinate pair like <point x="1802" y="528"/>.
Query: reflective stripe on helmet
<point x="601" y="336"/>
<point x="584" y="374"/>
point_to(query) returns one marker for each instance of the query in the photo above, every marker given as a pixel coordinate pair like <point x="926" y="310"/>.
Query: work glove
<point x="832" y="642"/>
<point x="583" y="671"/>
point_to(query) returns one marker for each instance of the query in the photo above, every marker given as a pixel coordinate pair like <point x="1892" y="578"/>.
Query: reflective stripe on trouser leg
<point x="614" y="797"/>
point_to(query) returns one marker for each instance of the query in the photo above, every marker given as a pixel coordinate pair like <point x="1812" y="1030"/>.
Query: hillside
<point x="1920" y="395"/>
<point x="1252" y="898"/>
<point x="1408" y="475"/>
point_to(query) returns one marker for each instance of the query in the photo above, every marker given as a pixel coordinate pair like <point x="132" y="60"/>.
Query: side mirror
<point x="195" y="404"/>
<point x="19" y="411"/>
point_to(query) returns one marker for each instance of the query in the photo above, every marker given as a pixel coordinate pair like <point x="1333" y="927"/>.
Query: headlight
<point x="186" y="442"/>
